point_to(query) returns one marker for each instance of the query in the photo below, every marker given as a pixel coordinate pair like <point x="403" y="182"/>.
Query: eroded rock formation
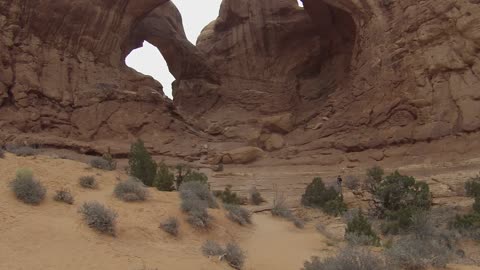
<point x="339" y="74"/>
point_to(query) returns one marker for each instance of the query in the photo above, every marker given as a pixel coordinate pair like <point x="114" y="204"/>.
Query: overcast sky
<point x="196" y="15"/>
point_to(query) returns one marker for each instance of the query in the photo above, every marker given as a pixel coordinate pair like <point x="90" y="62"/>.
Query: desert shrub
<point x="2" y="153"/>
<point x="195" y="176"/>
<point x="130" y="191"/>
<point x="238" y="214"/>
<point x="335" y="207"/>
<point x="352" y="182"/>
<point x="108" y="157"/>
<point x="476" y="204"/>
<point x="413" y="253"/>
<point x="181" y="171"/>
<point x="279" y="208"/>
<point x="328" y="199"/>
<point x="200" y="190"/>
<point x="102" y="164"/>
<point x="228" y="196"/>
<point x="347" y="259"/>
<point x="63" y="195"/>
<point x="255" y="196"/>
<point x="472" y="187"/>
<point x="467" y="222"/>
<point x="141" y="164"/>
<point x="170" y="226"/>
<point x="359" y="231"/>
<point x="400" y="198"/>
<point x="211" y="248"/>
<point x="199" y="218"/>
<point x="22" y="151"/>
<point x="26" y="188"/>
<point x="299" y="223"/>
<point x="164" y="179"/>
<point x="234" y="255"/>
<point x="374" y="177"/>
<point x="88" y="182"/>
<point x="99" y="217"/>
<point x="196" y="198"/>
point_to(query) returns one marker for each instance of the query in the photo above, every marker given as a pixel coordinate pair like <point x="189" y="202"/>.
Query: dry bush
<point x="170" y="226"/>
<point x="238" y="214"/>
<point x="211" y="248"/>
<point x="348" y="259"/>
<point x="130" y="191"/>
<point x="2" y="153"/>
<point x="22" y="151"/>
<point x="256" y="197"/>
<point x="63" y="195"/>
<point x="88" y="182"/>
<point x="412" y="253"/>
<point x="280" y="209"/>
<point x="234" y="255"/>
<point x="26" y="188"/>
<point x="99" y="217"/>
<point x="199" y="190"/>
<point x="103" y="164"/>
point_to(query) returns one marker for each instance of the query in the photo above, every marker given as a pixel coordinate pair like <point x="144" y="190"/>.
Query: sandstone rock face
<point x="62" y="70"/>
<point x="338" y="74"/>
<point x="242" y="155"/>
<point x="357" y="74"/>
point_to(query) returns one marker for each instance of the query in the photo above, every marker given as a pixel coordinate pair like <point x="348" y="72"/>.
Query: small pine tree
<point x="360" y="226"/>
<point x="141" y="163"/>
<point x="164" y="180"/>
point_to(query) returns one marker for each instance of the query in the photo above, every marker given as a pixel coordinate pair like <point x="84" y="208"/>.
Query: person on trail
<point x="339" y="181"/>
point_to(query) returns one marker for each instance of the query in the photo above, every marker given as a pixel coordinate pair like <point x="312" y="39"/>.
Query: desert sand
<point x="52" y="236"/>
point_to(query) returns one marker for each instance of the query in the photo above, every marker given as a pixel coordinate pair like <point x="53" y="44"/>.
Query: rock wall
<point x="348" y="75"/>
<point x="354" y="75"/>
<point x="63" y="79"/>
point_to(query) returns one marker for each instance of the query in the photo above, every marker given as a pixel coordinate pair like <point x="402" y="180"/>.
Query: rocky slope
<point x="337" y="76"/>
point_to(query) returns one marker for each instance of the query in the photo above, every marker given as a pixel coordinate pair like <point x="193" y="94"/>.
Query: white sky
<point x="148" y="60"/>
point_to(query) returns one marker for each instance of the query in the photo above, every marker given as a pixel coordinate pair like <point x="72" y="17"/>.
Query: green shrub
<point x="335" y="207"/>
<point x="164" y="180"/>
<point x="238" y="214"/>
<point x="401" y="197"/>
<point x="328" y="199"/>
<point x="234" y="255"/>
<point x="256" y="197"/>
<point x="102" y="164"/>
<point x="467" y="222"/>
<point x="26" y="188"/>
<point x="88" y="182"/>
<point x="472" y="187"/>
<point x="347" y="259"/>
<point x="63" y="195"/>
<point x="359" y="227"/>
<point x="374" y="177"/>
<point x="228" y="196"/>
<point x="170" y="226"/>
<point x="130" y="191"/>
<point x="141" y="164"/>
<point x="476" y="205"/>
<point x="99" y="217"/>
<point x="195" y="176"/>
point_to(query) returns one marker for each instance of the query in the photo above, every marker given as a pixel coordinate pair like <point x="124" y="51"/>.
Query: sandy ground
<point x="52" y="236"/>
